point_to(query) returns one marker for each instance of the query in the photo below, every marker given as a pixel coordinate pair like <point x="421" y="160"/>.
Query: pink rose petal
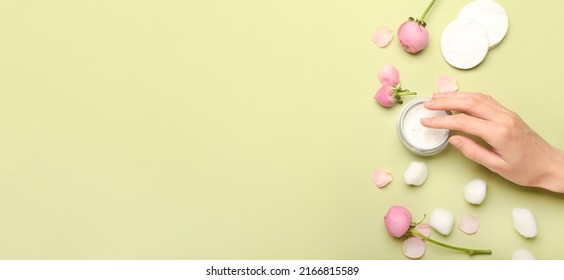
<point x="382" y="36"/>
<point x="381" y="177"/>
<point x="469" y="224"/>
<point x="425" y="229"/>
<point x="388" y="75"/>
<point x="446" y="83"/>
<point x="413" y="247"/>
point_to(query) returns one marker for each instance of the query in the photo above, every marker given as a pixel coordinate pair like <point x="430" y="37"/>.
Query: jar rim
<point x="409" y="145"/>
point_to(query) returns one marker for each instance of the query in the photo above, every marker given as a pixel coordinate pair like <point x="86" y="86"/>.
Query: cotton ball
<point x="416" y="173"/>
<point x="523" y="254"/>
<point x="442" y="220"/>
<point x="475" y="191"/>
<point x="524" y="222"/>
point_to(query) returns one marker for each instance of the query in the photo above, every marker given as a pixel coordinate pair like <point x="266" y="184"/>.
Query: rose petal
<point x="425" y="229"/>
<point x="388" y="75"/>
<point x="469" y="224"/>
<point x="413" y="247"/>
<point x="446" y="83"/>
<point x="381" y="177"/>
<point x="382" y="36"/>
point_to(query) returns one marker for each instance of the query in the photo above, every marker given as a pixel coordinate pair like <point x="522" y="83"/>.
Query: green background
<point x="247" y="129"/>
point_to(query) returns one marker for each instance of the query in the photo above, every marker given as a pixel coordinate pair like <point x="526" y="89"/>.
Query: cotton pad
<point x="442" y="220"/>
<point x="491" y="15"/>
<point x="524" y="222"/>
<point x="464" y="43"/>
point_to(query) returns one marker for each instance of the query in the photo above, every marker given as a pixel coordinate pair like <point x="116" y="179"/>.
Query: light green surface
<point x="246" y="129"/>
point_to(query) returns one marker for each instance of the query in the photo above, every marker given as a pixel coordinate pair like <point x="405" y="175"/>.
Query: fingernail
<point x="429" y="103"/>
<point x="425" y="120"/>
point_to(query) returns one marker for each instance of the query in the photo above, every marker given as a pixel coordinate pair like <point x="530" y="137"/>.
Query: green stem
<point x="398" y="91"/>
<point x="407" y="92"/>
<point x="468" y="251"/>
<point x="421" y="19"/>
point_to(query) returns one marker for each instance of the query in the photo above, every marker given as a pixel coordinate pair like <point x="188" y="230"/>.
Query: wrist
<point x="554" y="181"/>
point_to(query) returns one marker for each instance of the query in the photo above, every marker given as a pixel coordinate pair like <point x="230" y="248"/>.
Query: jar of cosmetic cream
<point x="417" y="138"/>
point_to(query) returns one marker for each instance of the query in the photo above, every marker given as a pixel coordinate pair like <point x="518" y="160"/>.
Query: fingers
<point x="474" y="104"/>
<point x="477" y="95"/>
<point x="477" y="153"/>
<point x="465" y="123"/>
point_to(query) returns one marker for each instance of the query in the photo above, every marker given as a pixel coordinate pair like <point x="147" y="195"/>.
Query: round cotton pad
<point x="464" y="43"/>
<point x="491" y="15"/>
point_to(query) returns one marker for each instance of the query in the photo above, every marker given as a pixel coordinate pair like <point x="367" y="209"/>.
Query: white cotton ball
<point x="524" y="222"/>
<point x="416" y="174"/>
<point x="523" y="254"/>
<point x="475" y="191"/>
<point x="442" y="220"/>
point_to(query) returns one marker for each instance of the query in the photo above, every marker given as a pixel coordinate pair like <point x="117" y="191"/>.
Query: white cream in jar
<point x="417" y="138"/>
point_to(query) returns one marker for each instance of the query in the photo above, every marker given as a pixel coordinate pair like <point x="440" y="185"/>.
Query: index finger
<point x="467" y="94"/>
<point x="478" y="105"/>
<point x="465" y="123"/>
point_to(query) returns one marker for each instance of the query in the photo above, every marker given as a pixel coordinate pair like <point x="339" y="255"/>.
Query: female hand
<point x="517" y="153"/>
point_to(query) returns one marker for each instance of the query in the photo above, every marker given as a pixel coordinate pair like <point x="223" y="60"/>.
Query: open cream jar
<point x="417" y="138"/>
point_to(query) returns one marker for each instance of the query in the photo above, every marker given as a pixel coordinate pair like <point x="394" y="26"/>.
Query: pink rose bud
<point x="385" y="96"/>
<point x="397" y="221"/>
<point x="388" y="75"/>
<point x="413" y="36"/>
<point x="388" y="95"/>
<point x="412" y="33"/>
